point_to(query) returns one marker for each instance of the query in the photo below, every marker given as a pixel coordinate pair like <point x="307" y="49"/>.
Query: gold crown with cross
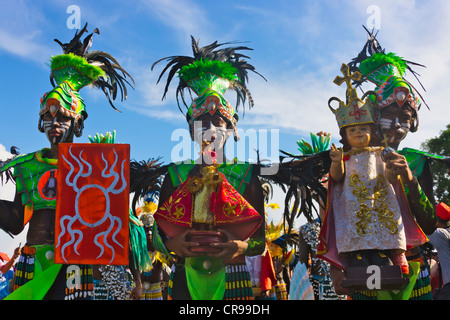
<point x="354" y="110"/>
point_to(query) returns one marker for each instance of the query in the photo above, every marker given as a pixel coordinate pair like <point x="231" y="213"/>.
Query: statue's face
<point x="57" y="128"/>
<point x="395" y="123"/>
<point x="358" y="136"/>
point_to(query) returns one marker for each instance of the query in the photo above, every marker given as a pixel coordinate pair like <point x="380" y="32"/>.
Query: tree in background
<point x="440" y="170"/>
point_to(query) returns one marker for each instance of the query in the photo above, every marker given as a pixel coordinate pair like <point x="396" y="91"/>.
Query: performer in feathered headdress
<point x="367" y="219"/>
<point x="210" y="212"/>
<point x="395" y="113"/>
<point x="209" y="73"/>
<point x="213" y="193"/>
<point x="61" y="117"/>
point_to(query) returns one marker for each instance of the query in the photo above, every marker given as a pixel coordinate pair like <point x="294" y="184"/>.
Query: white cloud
<point x="4" y="155"/>
<point x="23" y="46"/>
<point x="413" y="30"/>
<point x="186" y="17"/>
<point x="20" y="28"/>
<point x="293" y="104"/>
<point x="7" y="190"/>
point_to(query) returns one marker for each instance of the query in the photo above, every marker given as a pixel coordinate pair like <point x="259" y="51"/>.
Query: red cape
<point x="231" y="211"/>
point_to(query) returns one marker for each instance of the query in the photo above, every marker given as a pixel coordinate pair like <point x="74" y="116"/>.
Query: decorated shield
<point x="92" y="208"/>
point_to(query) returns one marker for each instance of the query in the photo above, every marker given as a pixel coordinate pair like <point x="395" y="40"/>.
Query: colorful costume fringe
<point x="36" y="263"/>
<point x="300" y="287"/>
<point x="153" y="292"/>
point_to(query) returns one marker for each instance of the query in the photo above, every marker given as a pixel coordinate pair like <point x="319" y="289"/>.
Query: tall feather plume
<point x="146" y="177"/>
<point x="213" y="51"/>
<point x="373" y="46"/>
<point x="116" y="76"/>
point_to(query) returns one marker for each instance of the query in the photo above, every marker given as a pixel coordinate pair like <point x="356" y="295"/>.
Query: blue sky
<point x="299" y="47"/>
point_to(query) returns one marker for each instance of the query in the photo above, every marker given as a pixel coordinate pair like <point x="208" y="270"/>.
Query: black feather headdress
<point x="115" y="78"/>
<point x="372" y="56"/>
<point x="212" y="52"/>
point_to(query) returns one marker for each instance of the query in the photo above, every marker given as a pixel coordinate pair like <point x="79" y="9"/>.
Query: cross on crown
<point x="354" y="111"/>
<point x="347" y="78"/>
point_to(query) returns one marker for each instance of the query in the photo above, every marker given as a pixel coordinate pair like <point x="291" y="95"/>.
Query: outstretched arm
<point x="337" y="163"/>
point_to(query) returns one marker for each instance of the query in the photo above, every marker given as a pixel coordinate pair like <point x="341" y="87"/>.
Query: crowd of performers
<point x="199" y="229"/>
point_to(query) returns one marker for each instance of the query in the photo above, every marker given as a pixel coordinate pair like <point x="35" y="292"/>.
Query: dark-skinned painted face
<point x="56" y="128"/>
<point x="395" y="123"/>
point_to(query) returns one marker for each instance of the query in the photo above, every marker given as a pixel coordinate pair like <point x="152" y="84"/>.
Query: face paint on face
<point x="395" y="123"/>
<point x="211" y="131"/>
<point x="387" y="124"/>
<point x="57" y="128"/>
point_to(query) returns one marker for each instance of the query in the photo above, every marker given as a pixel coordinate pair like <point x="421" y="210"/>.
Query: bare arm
<point x="303" y="250"/>
<point x="4" y="269"/>
<point x="337" y="163"/>
<point x="137" y="291"/>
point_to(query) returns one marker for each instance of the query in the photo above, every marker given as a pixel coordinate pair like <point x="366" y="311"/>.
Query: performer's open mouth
<point x="54" y="133"/>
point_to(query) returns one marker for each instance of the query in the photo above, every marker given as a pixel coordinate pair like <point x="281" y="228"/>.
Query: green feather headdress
<point x="199" y="68"/>
<point x="75" y="69"/>
<point x="209" y="73"/>
<point x="387" y="70"/>
<point x="106" y="72"/>
<point x="381" y="66"/>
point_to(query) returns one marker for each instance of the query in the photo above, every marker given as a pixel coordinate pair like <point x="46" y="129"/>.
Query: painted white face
<point x="211" y="131"/>
<point x="395" y="123"/>
<point x="57" y="128"/>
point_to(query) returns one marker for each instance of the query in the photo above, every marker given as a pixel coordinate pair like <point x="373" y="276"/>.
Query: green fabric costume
<point x="208" y="283"/>
<point x="45" y="273"/>
<point x="28" y="171"/>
